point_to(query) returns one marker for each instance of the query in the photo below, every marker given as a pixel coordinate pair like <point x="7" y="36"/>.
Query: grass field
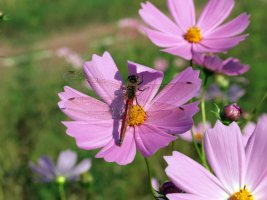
<point x="30" y="118"/>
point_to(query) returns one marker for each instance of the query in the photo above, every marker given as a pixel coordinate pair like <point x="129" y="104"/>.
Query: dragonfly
<point x="124" y="98"/>
<point x="131" y="89"/>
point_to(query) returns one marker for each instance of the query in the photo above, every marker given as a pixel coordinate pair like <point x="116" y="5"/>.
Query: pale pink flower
<point x="70" y="56"/>
<point x="97" y="123"/>
<point x="238" y="172"/>
<point x="184" y="36"/>
<point x="161" y="64"/>
<point x="198" y="132"/>
<point x="131" y="23"/>
<point x="66" y="167"/>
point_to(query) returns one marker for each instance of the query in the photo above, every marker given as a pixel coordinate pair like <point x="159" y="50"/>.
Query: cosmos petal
<point x="156" y="19"/>
<point x="182" y="196"/>
<point x="183" y="49"/>
<point x="79" y="106"/>
<point x="90" y="135"/>
<point x="233" y="67"/>
<point x="105" y="81"/>
<point x="248" y="131"/>
<point x="81" y="168"/>
<point x="150" y="139"/>
<point x="193" y="178"/>
<point x="175" y="120"/>
<point x="222" y="44"/>
<point x="214" y="13"/>
<point x="232" y="28"/>
<point x="162" y="39"/>
<point x="183" y="13"/>
<point x="66" y="161"/>
<point x="187" y="83"/>
<point x="123" y="154"/>
<point x="256" y="155"/>
<point x="226" y="155"/>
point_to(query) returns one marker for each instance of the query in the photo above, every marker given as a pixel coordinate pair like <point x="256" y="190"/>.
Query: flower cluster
<point x="137" y="115"/>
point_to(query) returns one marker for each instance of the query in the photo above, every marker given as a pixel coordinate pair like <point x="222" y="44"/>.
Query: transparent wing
<point x="94" y="108"/>
<point x="73" y="76"/>
<point x="172" y="93"/>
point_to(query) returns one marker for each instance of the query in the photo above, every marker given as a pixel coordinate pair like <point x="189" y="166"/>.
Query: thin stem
<point x="196" y="146"/>
<point x="203" y="113"/>
<point x="256" y="109"/>
<point x="61" y="191"/>
<point x="172" y="145"/>
<point x="149" y="179"/>
<point x="191" y="63"/>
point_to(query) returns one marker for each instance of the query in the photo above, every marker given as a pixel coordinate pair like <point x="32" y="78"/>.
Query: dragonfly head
<point x="133" y="79"/>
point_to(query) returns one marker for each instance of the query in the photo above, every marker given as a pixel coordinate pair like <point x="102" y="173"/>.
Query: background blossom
<point x="66" y="167"/>
<point x="184" y="36"/>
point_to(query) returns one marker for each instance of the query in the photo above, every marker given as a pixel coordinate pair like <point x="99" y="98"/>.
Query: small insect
<point x="131" y="89"/>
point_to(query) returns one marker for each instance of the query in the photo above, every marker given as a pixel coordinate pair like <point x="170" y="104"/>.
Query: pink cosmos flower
<point x="239" y="173"/>
<point x="185" y="36"/>
<point x="230" y="66"/>
<point x="161" y="64"/>
<point x="198" y="132"/>
<point x="97" y="123"/>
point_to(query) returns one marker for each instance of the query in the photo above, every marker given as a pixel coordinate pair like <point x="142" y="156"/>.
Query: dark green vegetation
<point x="30" y="119"/>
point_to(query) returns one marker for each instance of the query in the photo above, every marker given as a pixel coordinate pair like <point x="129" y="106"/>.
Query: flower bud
<point x="168" y="187"/>
<point x="232" y="112"/>
<point x="61" y="180"/>
<point x="222" y="81"/>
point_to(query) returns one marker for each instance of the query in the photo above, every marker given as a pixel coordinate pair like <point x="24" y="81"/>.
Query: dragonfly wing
<point x="173" y="121"/>
<point x="176" y="94"/>
<point x="108" y="91"/>
<point x="73" y="76"/>
<point x="103" y="68"/>
<point x="86" y="108"/>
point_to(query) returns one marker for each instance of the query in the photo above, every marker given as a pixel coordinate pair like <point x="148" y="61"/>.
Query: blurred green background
<point x="32" y="73"/>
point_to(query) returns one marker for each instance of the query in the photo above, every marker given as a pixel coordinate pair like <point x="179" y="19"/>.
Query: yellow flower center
<point x="243" y="194"/>
<point x="198" y="136"/>
<point x="137" y="116"/>
<point x="193" y="35"/>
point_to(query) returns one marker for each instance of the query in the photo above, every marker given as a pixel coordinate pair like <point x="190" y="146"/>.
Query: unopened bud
<point x="222" y="81"/>
<point x="232" y="112"/>
<point x="61" y="180"/>
<point x="168" y="188"/>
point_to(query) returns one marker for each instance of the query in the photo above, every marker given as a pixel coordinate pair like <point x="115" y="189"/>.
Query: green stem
<point x="196" y="146"/>
<point x="149" y="179"/>
<point x="61" y="191"/>
<point x="203" y="113"/>
<point x="256" y="109"/>
<point x="191" y="63"/>
<point x="172" y="145"/>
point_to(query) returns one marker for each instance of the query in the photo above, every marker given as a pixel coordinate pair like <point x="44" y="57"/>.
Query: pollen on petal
<point x="193" y="35"/>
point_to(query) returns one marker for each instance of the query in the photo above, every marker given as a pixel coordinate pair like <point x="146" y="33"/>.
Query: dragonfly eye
<point x="133" y="78"/>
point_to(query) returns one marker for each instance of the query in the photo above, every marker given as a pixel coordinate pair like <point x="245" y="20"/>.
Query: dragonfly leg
<point x="142" y="80"/>
<point x="137" y="102"/>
